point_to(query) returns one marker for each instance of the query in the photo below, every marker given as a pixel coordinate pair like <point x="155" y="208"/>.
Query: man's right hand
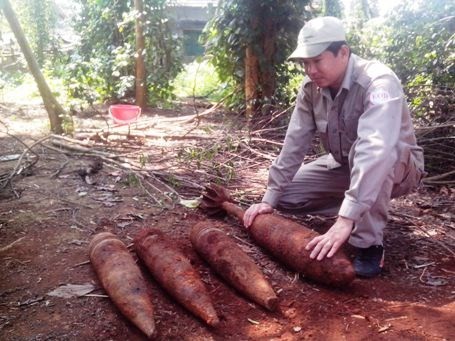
<point x="253" y="211"/>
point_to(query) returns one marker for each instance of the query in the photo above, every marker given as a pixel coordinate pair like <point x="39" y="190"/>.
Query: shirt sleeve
<point x="374" y="152"/>
<point x="298" y="139"/>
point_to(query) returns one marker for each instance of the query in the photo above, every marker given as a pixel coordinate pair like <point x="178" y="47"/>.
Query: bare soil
<point x="50" y="214"/>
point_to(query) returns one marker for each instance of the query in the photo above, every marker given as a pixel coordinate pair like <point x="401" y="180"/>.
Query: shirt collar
<point x="348" y="79"/>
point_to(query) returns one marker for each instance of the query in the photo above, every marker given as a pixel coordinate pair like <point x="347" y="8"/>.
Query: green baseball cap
<point x="316" y="36"/>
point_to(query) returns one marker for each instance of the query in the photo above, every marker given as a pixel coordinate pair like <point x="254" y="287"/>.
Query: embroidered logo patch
<point x="379" y="96"/>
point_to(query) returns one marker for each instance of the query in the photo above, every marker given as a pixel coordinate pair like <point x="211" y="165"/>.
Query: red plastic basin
<point x="124" y="113"/>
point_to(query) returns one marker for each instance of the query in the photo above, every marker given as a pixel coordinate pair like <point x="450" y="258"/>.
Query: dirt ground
<point x="50" y="214"/>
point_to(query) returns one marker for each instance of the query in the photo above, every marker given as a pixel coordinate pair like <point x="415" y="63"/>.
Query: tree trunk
<point x="251" y="81"/>
<point x="260" y="73"/>
<point x="268" y="74"/>
<point x="53" y="108"/>
<point x="141" y="87"/>
<point x="252" y="70"/>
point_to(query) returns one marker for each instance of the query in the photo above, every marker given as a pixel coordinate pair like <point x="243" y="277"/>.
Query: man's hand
<point x="253" y="211"/>
<point x="329" y="243"/>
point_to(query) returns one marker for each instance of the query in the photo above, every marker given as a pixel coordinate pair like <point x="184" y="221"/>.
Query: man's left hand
<point x="329" y="243"/>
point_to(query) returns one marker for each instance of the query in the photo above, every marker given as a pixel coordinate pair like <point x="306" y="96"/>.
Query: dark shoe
<point x="369" y="262"/>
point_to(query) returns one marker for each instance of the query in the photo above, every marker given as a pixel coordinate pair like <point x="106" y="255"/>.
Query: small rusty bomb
<point x="123" y="281"/>
<point x="174" y="272"/>
<point x="284" y="239"/>
<point x="232" y="264"/>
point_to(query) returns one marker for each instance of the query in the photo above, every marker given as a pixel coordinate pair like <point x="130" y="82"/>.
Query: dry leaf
<point x="384" y="328"/>
<point x="191" y="203"/>
<point x="72" y="290"/>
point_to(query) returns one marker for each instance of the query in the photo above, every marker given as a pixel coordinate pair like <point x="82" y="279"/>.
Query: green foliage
<point x="131" y="180"/>
<point x="163" y="52"/>
<point x="212" y="158"/>
<point x="417" y="41"/>
<point x="238" y="24"/>
<point x="368" y="38"/>
<point x="332" y="8"/>
<point x="421" y="40"/>
<point x="92" y="74"/>
<point x="10" y="77"/>
<point x="143" y="159"/>
<point x="38" y="20"/>
<point x="295" y="79"/>
<point x="199" y="79"/>
<point x="103" y="65"/>
<point x="364" y="10"/>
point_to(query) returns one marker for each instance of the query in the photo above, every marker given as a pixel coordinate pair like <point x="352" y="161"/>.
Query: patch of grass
<point x="20" y="87"/>
<point x="131" y="180"/>
<point x="199" y="79"/>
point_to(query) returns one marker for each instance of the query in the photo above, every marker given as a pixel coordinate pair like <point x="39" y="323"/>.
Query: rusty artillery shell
<point x="286" y="240"/>
<point x="231" y="263"/>
<point x="174" y="272"/>
<point x="122" y="280"/>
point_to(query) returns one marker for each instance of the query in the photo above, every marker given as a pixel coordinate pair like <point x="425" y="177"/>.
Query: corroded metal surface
<point x="231" y="263"/>
<point x="286" y="240"/>
<point x="174" y="272"/>
<point x="122" y="280"/>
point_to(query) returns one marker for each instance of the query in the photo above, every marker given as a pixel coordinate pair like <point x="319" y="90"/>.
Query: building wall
<point x="188" y="20"/>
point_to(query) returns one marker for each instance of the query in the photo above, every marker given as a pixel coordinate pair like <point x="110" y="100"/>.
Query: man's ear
<point x="345" y="50"/>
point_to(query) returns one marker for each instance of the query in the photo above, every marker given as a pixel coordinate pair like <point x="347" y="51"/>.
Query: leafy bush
<point x="290" y="89"/>
<point x="102" y="68"/>
<point x="416" y="40"/>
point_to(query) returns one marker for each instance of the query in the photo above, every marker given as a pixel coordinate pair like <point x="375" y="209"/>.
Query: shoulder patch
<point x="379" y="96"/>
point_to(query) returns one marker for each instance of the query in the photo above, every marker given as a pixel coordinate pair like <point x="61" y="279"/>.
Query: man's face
<point x="326" y="69"/>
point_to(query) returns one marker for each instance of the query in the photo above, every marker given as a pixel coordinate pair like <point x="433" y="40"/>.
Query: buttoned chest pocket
<point x="321" y="126"/>
<point x="349" y="122"/>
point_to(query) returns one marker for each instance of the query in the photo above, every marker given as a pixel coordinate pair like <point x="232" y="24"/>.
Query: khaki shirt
<point x="367" y="125"/>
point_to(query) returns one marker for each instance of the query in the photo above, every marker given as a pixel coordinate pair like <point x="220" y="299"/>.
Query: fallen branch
<point x="448" y="182"/>
<point x="81" y="263"/>
<point x="256" y="139"/>
<point x="78" y="146"/>
<point x="266" y="130"/>
<point x="265" y="156"/>
<point x="137" y="134"/>
<point x="111" y="159"/>
<point x="433" y="139"/>
<point x="11" y="245"/>
<point x="211" y="110"/>
<point x="17" y="168"/>
<point x="411" y="219"/>
<point x="432" y="179"/>
<point x="422" y="130"/>
<point x="206" y="112"/>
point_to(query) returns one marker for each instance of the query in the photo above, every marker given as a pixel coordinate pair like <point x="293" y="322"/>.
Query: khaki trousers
<point x="315" y="189"/>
